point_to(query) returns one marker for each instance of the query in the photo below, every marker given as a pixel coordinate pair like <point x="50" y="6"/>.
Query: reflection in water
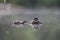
<point x="46" y="15"/>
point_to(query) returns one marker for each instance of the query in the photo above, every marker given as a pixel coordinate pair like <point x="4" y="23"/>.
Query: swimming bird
<point x="35" y="23"/>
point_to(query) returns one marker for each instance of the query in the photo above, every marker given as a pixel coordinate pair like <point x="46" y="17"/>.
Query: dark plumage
<point x="36" y="21"/>
<point x="18" y="23"/>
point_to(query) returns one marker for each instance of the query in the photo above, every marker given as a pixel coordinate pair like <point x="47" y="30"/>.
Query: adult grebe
<point x="35" y="23"/>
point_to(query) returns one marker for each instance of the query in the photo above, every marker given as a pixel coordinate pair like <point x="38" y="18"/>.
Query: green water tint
<point x="26" y="33"/>
<point x="49" y="32"/>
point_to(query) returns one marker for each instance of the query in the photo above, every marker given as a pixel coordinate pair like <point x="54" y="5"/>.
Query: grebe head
<point x="35" y="18"/>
